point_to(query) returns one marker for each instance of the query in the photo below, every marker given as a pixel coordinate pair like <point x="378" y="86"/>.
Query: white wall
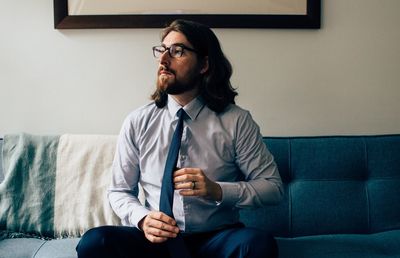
<point x="342" y="79"/>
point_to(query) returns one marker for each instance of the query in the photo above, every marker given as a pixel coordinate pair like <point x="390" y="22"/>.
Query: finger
<point x="188" y="178"/>
<point x="155" y="239"/>
<point x="160" y="216"/>
<point x="158" y="225"/>
<point x="192" y="193"/>
<point x="199" y="189"/>
<point x="186" y="185"/>
<point x="185" y="171"/>
<point x="161" y="232"/>
<point x="161" y="221"/>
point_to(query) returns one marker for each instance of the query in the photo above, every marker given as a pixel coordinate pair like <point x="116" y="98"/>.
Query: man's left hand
<point x="193" y="182"/>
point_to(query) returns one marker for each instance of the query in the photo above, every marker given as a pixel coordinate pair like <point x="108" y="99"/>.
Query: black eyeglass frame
<point x="156" y="52"/>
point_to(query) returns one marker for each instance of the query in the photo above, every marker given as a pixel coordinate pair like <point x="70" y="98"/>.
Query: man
<point x="223" y="164"/>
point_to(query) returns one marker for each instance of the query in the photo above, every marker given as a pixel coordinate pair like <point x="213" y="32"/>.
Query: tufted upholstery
<point x="334" y="185"/>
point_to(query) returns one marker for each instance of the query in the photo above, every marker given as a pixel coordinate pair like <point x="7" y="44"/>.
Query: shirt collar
<point x="192" y="109"/>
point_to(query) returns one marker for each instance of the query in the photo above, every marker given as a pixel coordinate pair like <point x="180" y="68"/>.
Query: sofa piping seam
<point x="40" y="247"/>
<point x="366" y="186"/>
<point x="290" y="188"/>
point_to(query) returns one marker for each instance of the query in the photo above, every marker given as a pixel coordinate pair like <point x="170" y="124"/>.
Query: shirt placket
<point x="183" y="162"/>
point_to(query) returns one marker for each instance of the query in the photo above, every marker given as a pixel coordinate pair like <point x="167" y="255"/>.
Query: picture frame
<point x="309" y="20"/>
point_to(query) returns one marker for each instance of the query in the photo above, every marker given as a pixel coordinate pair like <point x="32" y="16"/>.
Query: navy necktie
<point x="176" y="246"/>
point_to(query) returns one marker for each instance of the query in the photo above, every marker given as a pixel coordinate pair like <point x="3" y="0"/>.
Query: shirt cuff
<point x="136" y="216"/>
<point x="230" y="193"/>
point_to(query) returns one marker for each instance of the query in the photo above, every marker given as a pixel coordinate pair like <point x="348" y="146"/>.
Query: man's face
<point x="177" y="75"/>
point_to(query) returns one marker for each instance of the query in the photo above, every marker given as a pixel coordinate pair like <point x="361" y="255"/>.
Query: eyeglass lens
<point x="173" y="51"/>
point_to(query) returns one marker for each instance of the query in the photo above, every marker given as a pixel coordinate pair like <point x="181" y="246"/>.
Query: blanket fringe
<point x="7" y="235"/>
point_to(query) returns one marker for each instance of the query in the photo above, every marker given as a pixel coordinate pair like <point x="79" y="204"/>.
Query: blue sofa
<point x="342" y="200"/>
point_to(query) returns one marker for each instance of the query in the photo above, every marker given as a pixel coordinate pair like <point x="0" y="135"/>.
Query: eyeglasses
<point x="175" y="50"/>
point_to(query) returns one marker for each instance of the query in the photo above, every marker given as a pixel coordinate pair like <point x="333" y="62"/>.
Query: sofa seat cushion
<point x="38" y="248"/>
<point x="59" y="248"/>
<point x="378" y="245"/>
<point x="20" y="247"/>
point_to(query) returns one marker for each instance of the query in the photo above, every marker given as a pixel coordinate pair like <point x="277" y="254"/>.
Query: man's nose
<point x="164" y="57"/>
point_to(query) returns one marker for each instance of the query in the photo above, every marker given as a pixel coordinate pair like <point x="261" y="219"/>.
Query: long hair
<point x="215" y="88"/>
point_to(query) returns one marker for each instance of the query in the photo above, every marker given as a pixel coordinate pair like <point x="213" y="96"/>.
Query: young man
<point x="222" y="166"/>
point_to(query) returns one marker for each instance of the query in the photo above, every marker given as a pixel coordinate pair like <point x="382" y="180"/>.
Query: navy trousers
<point x="129" y="242"/>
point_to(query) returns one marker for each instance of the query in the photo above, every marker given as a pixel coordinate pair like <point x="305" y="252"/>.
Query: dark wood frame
<point x="312" y="20"/>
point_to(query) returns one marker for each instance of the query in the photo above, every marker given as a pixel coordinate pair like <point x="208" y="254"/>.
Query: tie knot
<point x="181" y="113"/>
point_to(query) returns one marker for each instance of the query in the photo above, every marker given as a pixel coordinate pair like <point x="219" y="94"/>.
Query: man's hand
<point x="193" y="182"/>
<point x="158" y="227"/>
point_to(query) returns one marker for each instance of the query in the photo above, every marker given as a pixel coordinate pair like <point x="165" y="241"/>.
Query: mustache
<point x="164" y="68"/>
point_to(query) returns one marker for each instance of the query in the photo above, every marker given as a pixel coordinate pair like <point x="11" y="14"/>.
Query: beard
<point x="170" y="84"/>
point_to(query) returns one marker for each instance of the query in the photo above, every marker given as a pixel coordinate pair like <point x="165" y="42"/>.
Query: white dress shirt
<point x="227" y="146"/>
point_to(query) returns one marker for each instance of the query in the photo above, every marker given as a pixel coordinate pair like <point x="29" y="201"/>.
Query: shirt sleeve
<point x="261" y="184"/>
<point x="124" y="188"/>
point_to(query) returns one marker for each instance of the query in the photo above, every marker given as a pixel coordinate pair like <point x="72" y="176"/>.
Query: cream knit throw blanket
<point x="56" y="186"/>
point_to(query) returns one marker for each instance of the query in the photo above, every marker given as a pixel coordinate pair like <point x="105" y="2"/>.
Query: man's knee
<point x="258" y="244"/>
<point x="93" y="242"/>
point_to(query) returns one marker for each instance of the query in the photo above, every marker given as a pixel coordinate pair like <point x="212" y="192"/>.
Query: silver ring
<point x="193" y="185"/>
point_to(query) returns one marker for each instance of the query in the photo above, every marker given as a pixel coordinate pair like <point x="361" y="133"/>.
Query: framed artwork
<point x="90" y="14"/>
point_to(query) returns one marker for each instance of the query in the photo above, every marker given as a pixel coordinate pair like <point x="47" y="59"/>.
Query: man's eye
<point x="176" y="51"/>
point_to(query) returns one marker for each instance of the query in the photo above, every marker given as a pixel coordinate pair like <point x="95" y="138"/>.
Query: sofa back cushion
<point x="334" y="185"/>
<point x="55" y="186"/>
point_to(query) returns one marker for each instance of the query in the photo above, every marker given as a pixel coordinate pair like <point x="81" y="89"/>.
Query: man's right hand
<point x="158" y="227"/>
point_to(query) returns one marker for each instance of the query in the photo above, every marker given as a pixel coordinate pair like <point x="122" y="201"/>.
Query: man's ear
<point x="205" y="65"/>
